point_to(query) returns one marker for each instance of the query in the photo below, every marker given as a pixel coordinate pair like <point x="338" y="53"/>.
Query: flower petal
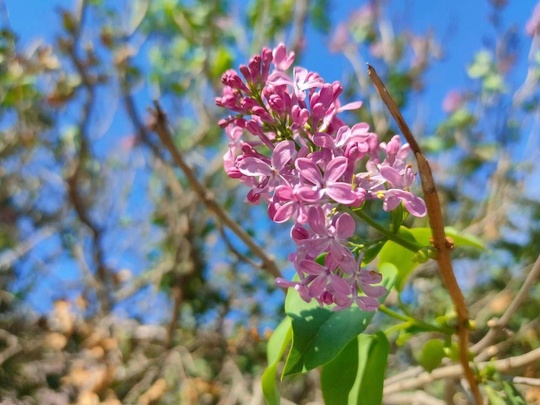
<point x="341" y="192"/>
<point x="251" y="166"/>
<point x="309" y="171"/>
<point x="282" y="154"/>
<point x="345" y="226"/>
<point x="335" y="169"/>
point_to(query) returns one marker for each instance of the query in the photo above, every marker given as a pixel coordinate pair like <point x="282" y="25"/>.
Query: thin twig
<point x="437" y="229"/>
<point x="161" y="128"/>
<point x="532" y="382"/>
<point x="453" y="371"/>
<point x="493" y="332"/>
<point x="413" y="398"/>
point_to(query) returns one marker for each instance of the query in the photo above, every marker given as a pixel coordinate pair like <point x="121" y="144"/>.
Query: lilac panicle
<point x="288" y="145"/>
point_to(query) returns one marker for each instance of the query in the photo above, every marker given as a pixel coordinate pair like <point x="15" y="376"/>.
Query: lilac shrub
<point x="308" y="166"/>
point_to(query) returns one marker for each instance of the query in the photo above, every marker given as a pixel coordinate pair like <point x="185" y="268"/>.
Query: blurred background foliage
<point x="118" y="285"/>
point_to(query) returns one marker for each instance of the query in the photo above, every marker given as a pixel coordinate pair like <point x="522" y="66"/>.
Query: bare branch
<point x="497" y="326"/>
<point x="455" y="371"/>
<point x="84" y="153"/>
<point x="532" y="382"/>
<point x="205" y="195"/>
<point x="413" y="398"/>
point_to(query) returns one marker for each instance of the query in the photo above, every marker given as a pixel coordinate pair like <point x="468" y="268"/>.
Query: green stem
<point x="384" y="309"/>
<point x="395" y="237"/>
<point x="411" y="321"/>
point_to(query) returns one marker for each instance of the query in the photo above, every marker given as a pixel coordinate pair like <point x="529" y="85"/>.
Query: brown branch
<point x="497" y="326"/>
<point x="453" y="371"/>
<point x="77" y="170"/>
<point x="241" y="257"/>
<point x="437" y="229"/>
<point x="160" y="127"/>
<point x="178" y="296"/>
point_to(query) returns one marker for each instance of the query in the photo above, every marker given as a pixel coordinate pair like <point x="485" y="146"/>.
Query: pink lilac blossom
<point x="288" y="145"/>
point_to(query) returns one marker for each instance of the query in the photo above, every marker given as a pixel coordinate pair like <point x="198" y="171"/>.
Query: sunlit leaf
<point x="276" y="347"/>
<point x="404" y="259"/>
<point x="356" y="375"/>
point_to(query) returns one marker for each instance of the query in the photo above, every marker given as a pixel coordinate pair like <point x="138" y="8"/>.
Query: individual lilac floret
<point x="289" y="146"/>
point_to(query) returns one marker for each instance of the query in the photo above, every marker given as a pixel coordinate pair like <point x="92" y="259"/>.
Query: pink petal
<point x="310" y="194"/>
<point x="416" y="206"/>
<point x="284" y="212"/>
<point x="282" y="154"/>
<point x="251" y="166"/>
<point x="374" y="291"/>
<point x="317" y="220"/>
<point x="323" y="140"/>
<point x="284" y="192"/>
<point x="317" y="286"/>
<point x="335" y="169"/>
<point x="311" y="267"/>
<point x="340" y="286"/>
<point x="355" y="105"/>
<point x="391" y="175"/>
<point x="309" y="171"/>
<point x="341" y="192"/>
<point x="367" y="303"/>
<point x="345" y="226"/>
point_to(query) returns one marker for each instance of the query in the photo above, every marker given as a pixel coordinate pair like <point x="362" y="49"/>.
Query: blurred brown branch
<point x="160" y="127"/>
<point x="504" y="365"/>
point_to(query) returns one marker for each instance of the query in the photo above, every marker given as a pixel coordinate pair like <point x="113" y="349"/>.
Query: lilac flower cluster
<point x="306" y="164"/>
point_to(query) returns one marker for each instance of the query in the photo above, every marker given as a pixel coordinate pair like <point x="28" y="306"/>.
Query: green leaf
<point x="404" y="259"/>
<point x="339" y="377"/>
<point x="320" y="334"/>
<point x="372" y="251"/>
<point x="276" y="347"/>
<point x="464" y="240"/>
<point x="494" y="397"/>
<point x="356" y="375"/>
<point x="372" y="374"/>
<point x="514" y="397"/>
<point x="400" y="257"/>
<point x="431" y="354"/>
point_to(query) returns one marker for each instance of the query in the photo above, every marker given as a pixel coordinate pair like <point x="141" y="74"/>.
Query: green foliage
<point x="406" y="261"/>
<point x="277" y="344"/>
<point x="356" y="375"/>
